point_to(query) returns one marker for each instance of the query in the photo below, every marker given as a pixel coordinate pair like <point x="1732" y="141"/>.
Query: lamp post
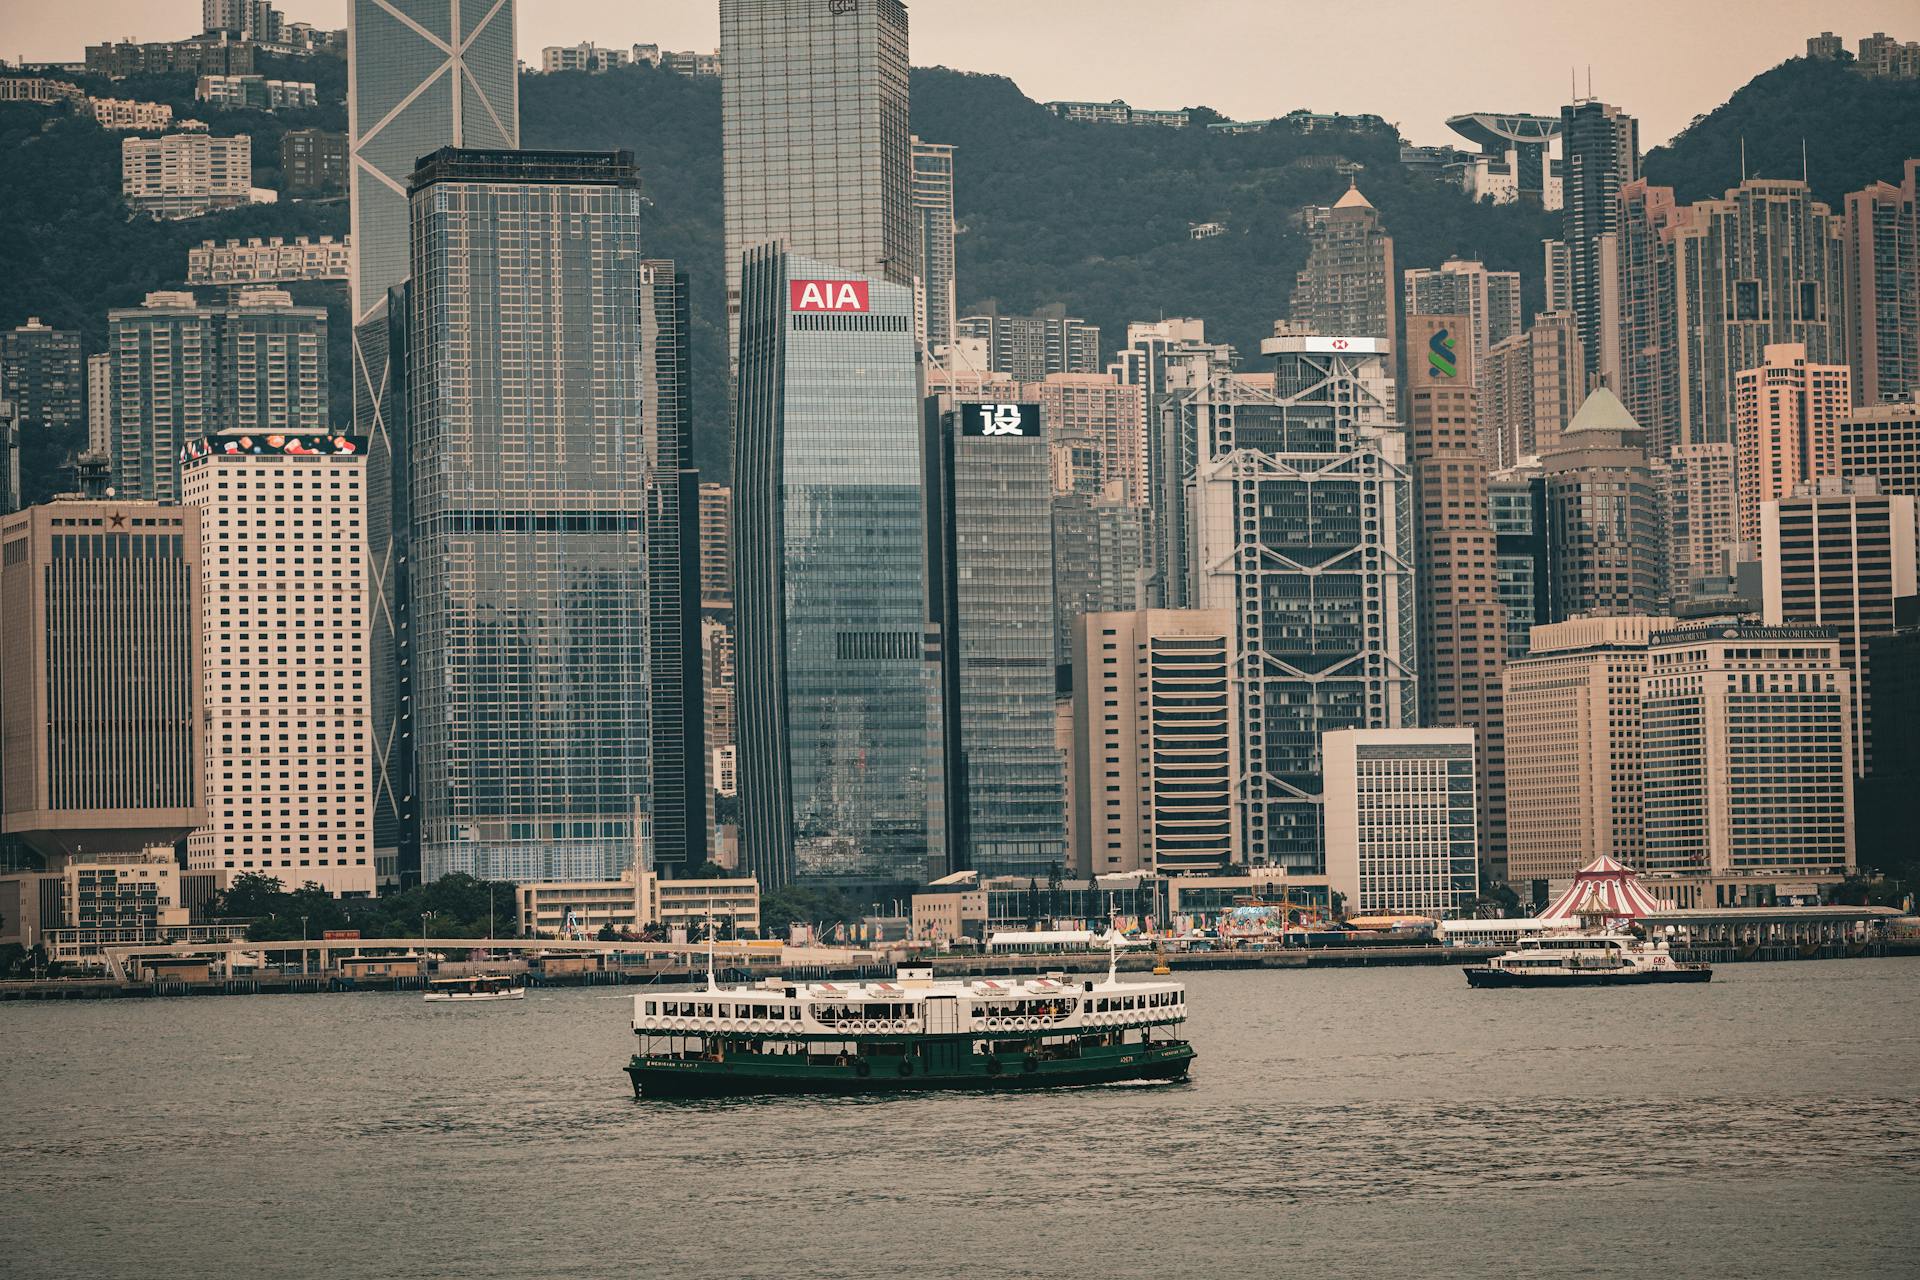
<point x="303" y="946"/>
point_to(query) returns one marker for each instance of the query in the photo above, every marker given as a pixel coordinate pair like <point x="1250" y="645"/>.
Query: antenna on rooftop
<point x="1803" y="159"/>
<point x="1743" y="158"/>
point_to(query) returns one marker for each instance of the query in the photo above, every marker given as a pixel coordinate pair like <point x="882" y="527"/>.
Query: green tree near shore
<point x="454" y="906"/>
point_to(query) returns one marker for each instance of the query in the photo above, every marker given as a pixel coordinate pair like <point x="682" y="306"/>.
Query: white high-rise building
<point x="288" y="742"/>
<point x="1401" y="826"/>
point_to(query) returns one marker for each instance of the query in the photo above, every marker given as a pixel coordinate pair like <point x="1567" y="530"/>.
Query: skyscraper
<point x="288" y="745"/>
<point x="1837" y="553"/>
<point x="183" y="370"/>
<point x="1697" y="515"/>
<point x="1165" y="358"/>
<point x="933" y="242"/>
<point x="677" y="717"/>
<point x="421" y="74"/>
<point x="1093" y="426"/>
<point x="1603" y="515"/>
<point x="1490" y="300"/>
<point x="1028" y="348"/>
<point x="1648" y="301"/>
<point x="1883" y="441"/>
<point x="1787" y="415"/>
<point x="1573" y="748"/>
<point x="1301" y="530"/>
<point x="1760" y="268"/>
<point x="1883" y="288"/>
<point x="1348" y="285"/>
<point x="100" y="697"/>
<point x="528" y="488"/>
<point x="41" y="372"/>
<point x="993" y="556"/>
<point x="815" y="145"/>
<point x="1747" y="761"/>
<point x="716" y="547"/>
<point x="1600" y="149"/>
<point x="1530" y="389"/>
<point x="1099" y="561"/>
<point x="1400" y="821"/>
<point x="1156" y="742"/>
<point x="839" y="716"/>
<point x="1462" y="626"/>
<point x="1517" y="505"/>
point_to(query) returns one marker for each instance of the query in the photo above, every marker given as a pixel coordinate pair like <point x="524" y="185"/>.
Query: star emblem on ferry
<point x="116" y="519"/>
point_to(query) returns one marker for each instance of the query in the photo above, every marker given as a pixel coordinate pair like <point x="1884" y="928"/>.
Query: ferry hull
<point x="681" y="1078"/>
<point x="1495" y="978"/>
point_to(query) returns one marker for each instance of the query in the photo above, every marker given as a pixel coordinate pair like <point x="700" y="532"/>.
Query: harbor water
<point x="1357" y="1122"/>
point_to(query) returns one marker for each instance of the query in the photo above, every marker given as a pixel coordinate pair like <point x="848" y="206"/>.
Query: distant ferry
<point x="1590" y="957"/>
<point x="486" y="986"/>
<point x="910" y="1034"/>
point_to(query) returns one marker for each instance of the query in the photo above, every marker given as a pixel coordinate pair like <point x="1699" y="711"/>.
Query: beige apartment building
<point x="635" y="901"/>
<point x="1838" y="553"/>
<point x="1573" y="728"/>
<point x="183" y="175"/>
<point x="1155" y="766"/>
<point x="284" y="623"/>
<point x="1697" y="507"/>
<point x="1747" y="742"/>
<point x="100" y="674"/>
<point x="1786" y="417"/>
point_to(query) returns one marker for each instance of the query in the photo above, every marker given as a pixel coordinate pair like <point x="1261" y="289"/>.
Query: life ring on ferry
<point x="993" y="1066"/>
<point x="898" y="1025"/>
<point x="906" y="1066"/>
<point x="1029" y="1064"/>
<point x="863" y="1068"/>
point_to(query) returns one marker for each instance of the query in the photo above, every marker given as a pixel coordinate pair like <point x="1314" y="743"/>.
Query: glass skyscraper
<point x="678" y="721"/>
<point x="527" y="469"/>
<point x="816" y="148"/>
<point x="421" y="74"/>
<point x="993" y="579"/>
<point x="839" y="727"/>
<point x="1302" y="528"/>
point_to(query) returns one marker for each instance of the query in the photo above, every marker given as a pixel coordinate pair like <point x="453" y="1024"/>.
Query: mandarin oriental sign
<point x="826" y="295"/>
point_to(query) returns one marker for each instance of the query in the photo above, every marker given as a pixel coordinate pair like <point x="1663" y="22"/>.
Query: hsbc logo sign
<point x="826" y="295"/>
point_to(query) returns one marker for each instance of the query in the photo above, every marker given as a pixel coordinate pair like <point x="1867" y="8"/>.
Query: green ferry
<point x="910" y="1034"/>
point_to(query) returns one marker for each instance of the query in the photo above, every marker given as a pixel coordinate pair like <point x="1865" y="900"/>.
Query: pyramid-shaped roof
<point x="1612" y="884"/>
<point x="1353" y="200"/>
<point x="1602" y="411"/>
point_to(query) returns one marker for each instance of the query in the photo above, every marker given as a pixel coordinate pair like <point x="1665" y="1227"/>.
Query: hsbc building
<point x="837" y="665"/>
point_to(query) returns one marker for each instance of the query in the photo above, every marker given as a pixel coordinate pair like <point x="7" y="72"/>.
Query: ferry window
<point x="706" y="1010"/>
<point x="651" y="1008"/>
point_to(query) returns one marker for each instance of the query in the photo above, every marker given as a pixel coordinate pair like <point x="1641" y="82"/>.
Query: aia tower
<point x="837" y="660"/>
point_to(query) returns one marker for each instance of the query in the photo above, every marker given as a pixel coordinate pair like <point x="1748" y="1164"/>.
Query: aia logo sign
<point x="1440" y="354"/>
<point x="826" y="295"/>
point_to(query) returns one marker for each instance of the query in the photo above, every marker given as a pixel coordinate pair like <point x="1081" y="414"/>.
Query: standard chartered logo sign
<point x="1440" y="354"/>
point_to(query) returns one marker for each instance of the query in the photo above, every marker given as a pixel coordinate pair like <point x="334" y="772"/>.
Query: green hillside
<point x="1856" y="130"/>
<point x="1092" y="216"/>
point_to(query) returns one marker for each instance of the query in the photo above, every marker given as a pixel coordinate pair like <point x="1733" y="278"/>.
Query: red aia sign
<point x="827" y="295"/>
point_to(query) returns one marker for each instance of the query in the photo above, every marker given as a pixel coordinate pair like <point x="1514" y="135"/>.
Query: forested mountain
<point x="1092" y="216"/>
<point x="1855" y="129"/>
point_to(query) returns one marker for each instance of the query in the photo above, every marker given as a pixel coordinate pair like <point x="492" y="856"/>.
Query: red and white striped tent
<point x="1614" y="884"/>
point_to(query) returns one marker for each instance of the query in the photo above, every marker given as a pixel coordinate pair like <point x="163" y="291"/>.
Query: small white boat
<point x="484" y="986"/>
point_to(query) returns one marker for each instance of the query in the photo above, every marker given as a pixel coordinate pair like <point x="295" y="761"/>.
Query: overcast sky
<point x="1416" y="62"/>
